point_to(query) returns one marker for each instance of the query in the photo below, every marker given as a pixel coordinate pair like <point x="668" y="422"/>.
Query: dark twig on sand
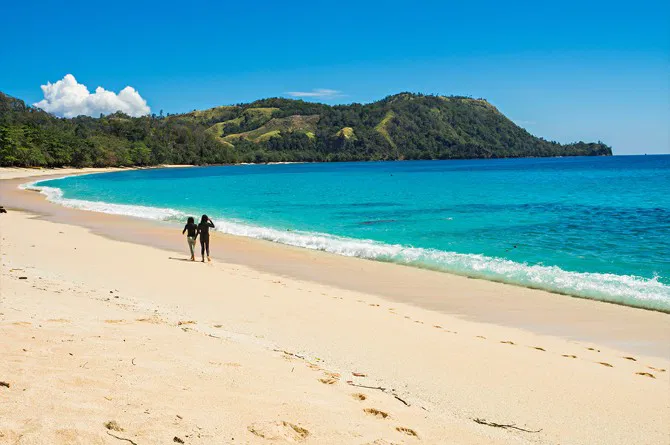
<point x="382" y="389"/>
<point x="504" y="426"/>
<point x="121" y="438"/>
<point x="379" y="388"/>
<point x="398" y="398"/>
<point x="5" y="384"/>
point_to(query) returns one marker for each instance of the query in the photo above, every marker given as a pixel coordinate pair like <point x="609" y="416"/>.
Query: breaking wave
<point x="628" y="290"/>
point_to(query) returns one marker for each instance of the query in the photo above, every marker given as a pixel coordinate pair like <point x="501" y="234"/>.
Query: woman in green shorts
<point x="192" y="234"/>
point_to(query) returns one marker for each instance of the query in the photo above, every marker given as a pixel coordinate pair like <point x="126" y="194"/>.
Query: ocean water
<point x="597" y="228"/>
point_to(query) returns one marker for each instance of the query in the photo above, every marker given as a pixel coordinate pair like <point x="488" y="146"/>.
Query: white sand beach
<point x="102" y="319"/>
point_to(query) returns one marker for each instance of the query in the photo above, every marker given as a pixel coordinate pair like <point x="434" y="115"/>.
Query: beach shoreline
<point x="474" y="299"/>
<point x="103" y="319"/>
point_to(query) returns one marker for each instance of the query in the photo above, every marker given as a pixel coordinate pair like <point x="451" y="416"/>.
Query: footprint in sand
<point x="114" y="321"/>
<point x="569" y="356"/>
<point x="279" y="430"/>
<point x="437" y="326"/>
<point x="656" y="369"/>
<point x="376" y="413"/>
<point x="180" y="323"/>
<point x="593" y="349"/>
<point x="538" y="348"/>
<point x="359" y="396"/>
<point x="373" y="305"/>
<point x="646" y="374"/>
<point x="328" y="381"/>
<point x="408" y="431"/>
<point x="481" y="336"/>
<point x="152" y="320"/>
<point x="605" y="364"/>
<point x="633" y="359"/>
<point x="508" y="342"/>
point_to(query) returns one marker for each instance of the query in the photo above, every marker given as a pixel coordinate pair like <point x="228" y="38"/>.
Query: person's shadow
<point x="181" y="259"/>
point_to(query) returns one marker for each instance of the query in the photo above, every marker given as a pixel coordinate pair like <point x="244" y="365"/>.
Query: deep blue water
<point x="590" y="227"/>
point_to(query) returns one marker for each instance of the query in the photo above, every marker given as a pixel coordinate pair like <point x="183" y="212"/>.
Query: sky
<point x="566" y="71"/>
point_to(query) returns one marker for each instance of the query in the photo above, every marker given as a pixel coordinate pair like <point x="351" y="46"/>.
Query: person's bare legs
<point x="191" y="246"/>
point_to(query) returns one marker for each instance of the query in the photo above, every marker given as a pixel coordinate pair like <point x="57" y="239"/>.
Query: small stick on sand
<point x="122" y="438"/>
<point x="503" y="426"/>
<point x="380" y="388"/>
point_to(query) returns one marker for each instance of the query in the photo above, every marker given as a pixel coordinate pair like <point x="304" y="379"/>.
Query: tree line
<point x="403" y="126"/>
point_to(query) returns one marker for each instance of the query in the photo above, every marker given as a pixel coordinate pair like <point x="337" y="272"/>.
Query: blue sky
<point x="565" y="70"/>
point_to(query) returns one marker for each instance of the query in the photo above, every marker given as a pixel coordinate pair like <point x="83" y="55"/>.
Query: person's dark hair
<point x="190" y="220"/>
<point x="204" y="219"/>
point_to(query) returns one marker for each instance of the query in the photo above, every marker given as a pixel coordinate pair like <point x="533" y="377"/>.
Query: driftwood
<point x="121" y="438"/>
<point x="504" y="426"/>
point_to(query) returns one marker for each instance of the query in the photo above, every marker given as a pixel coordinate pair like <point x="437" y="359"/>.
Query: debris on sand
<point x="113" y="425"/>
<point x="5" y="384"/>
<point x="177" y="439"/>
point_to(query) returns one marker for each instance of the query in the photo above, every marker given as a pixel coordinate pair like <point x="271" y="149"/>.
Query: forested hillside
<point x="403" y="126"/>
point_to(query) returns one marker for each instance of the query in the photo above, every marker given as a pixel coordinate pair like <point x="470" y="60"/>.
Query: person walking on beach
<point x="192" y="234"/>
<point x="203" y="231"/>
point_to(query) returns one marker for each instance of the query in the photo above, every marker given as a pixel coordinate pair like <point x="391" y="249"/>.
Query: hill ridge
<point x="401" y="126"/>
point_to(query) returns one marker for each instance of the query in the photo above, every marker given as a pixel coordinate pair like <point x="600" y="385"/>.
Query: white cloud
<point x="322" y="93"/>
<point x="69" y="98"/>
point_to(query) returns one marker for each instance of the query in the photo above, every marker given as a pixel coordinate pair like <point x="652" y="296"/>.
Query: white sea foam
<point x="55" y="195"/>
<point x="623" y="289"/>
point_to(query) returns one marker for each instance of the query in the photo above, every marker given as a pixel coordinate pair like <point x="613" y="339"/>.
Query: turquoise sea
<point x="591" y="227"/>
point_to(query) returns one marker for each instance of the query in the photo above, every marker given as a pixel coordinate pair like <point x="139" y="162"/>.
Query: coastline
<point x="269" y="335"/>
<point x="480" y="300"/>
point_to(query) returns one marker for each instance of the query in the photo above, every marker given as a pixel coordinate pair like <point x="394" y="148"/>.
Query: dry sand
<point x="248" y="350"/>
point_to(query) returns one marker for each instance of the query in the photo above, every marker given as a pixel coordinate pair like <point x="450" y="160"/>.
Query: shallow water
<point x="591" y="227"/>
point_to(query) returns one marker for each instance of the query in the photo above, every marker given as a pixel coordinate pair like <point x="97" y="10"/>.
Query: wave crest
<point x="55" y="195"/>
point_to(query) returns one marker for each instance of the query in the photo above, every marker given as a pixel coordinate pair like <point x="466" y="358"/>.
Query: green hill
<point x="403" y="126"/>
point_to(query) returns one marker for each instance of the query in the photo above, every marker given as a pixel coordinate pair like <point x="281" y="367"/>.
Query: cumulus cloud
<point x="321" y="93"/>
<point x="69" y="98"/>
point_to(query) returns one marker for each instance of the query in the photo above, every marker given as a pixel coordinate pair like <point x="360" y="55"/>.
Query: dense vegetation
<point x="404" y="126"/>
